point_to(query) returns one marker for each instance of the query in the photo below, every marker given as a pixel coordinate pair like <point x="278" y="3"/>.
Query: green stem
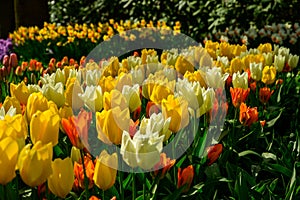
<point x="121" y="185"/>
<point x="133" y="186"/>
<point x="86" y="181"/>
<point x="103" y="195"/>
<point x="34" y="194"/>
<point x="233" y="128"/>
<point x="144" y="186"/>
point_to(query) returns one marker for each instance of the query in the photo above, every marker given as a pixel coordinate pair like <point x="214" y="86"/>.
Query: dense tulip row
<point x="138" y="104"/>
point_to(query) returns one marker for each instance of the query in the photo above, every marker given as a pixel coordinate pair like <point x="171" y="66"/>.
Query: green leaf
<point x="273" y="121"/>
<point x="247" y="152"/>
<point x="279" y="169"/>
<point x="240" y="187"/>
<point x="175" y="194"/>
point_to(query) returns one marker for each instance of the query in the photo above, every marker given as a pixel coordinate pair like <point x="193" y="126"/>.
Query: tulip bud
<point x="256" y="71"/>
<point x="75" y="154"/>
<point x="61" y="181"/>
<point x="240" y="80"/>
<point x="185" y="177"/>
<point x="279" y="62"/>
<point x="5" y="61"/>
<point x="213" y="153"/>
<point x="13" y="60"/>
<point x="35" y="163"/>
<point x="18" y="71"/>
<point x="105" y="170"/>
<point x="293" y="61"/>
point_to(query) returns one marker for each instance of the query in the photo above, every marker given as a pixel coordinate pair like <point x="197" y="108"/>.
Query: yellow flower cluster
<point x="94" y="33"/>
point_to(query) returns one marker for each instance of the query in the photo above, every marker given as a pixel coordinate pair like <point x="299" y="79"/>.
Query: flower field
<point x="210" y="121"/>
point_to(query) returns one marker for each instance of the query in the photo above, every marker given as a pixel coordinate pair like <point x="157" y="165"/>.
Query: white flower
<point x="170" y="73"/>
<point x="279" y="62"/>
<point x="59" y="76"/>
<point x="268" y="58"/>
<point x="137" y="75"/>
<point x="240" y="80"/>
<point x="293" y="61"/>
<point x="191" y="91"/>
<point x="284" y="52"/>
<point x="143" y="150"/>
<point x="208" y="99"/>
<point x="11" y="112"/>
<point x="134" y="61"/>
<point x="256" y="71"/>
<point x="92" y="98"/>
<point x="156" y="123"/>
<point x="54" y="93"/>
<point x="34" y="88"/>
<point x="214" y="77"/>
<point x="93" y="77"/>
<point x="132" y="96"/>
<point x="224" y="60"/>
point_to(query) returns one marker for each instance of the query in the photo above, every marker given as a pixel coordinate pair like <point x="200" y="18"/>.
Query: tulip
<point x="122" y="80"/>
<point x="112" y="68"/>
<point x="105" y="170"/>
<point x="268" y="57"/>
<point x="11" y="112"/>
<point x="177" y="110"/>
<point x="107" y="83"/>
<point x="284" y="52"/>
<point x="65" y="112"/>
<point x="114" y="98"/>
<point x="110" y="124"/>
<point x="265" y="48"/>
<point x="76" y="127"/>
<point x="215" y="79"/>
<point x="92" y="98"/>
<point x="238" y="49"/>
<point x="236" y="65"/>
<point x="79" y="173"/>
<point x="61" y="181"/>
<point x="13" y="60"/>
<point x="240" y="80"/>
<point x="208" y="100"/>
<point x="73" y="88"/>
<point x="36" y="101"/>
<point x="196" y="76"/>
<point x="75" y="154"/>
<point x="143" y="150"/>
<point x="132" y="96"/>
<point x="238" y="96"/>
<point x="35" y="163"/>
<point x="265" y="94"/>
<point x="213" y="153"/>
<point x="268" y="75"/>
<point x="12" y="102"/>
<point x="54" y="93"/>
<point x="44" y="127"/>
<point x="279" y="62"/>
<point x="161" y="90"/>
<point x="256" y="71"/>
<point x="163" y="166"/>
<point x="20" y="91"/>
<point x="183" y="64"/>
<point x="293" y="61"/>
<point x="8" y="159"/>
<point x="137" y="75"/>
<point x="92" y="77"/>
<point x="185" y="177"/>
<point x="248" y="115"/>
<point x="14" y="127"/>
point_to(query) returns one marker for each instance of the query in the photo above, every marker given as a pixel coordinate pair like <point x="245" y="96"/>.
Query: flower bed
<point x="87" y="130"/>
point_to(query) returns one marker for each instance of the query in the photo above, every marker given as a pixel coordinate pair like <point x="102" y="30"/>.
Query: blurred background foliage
<point x="198" y="17"/>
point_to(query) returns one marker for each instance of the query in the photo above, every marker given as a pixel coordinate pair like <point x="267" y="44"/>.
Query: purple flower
<point x="5" y="47"/>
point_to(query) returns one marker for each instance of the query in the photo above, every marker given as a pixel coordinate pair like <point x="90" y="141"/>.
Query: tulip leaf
<point x="127" y="181"/>
<point x="273" y="121"/>
<point x="247" y="152"/>
<point x="58" y="152"/>
<point x="240" y="187"/>
<point x="175" y="194"/>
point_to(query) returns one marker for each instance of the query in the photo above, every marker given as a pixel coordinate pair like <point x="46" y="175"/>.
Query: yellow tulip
<point x="20" y="91"/>
<point x="132" y="95"/>
<point x="112" y="68"/>
<point x="161" y="90"/>
<point x="268" y="75"/>
<point x="105" y="170"/>
<point x="14" y="127"/>
<point x="75" y="154"/>
<point x="12" y="101"/>
<point x="113" y="99"/>
<point x="73" y="88"/>
<point x="44" y="127"/>
<point x="35" y="163"/>
<point x="61" y="181"/>
<point x="65" y="112"/>
<point x="36" y="101"/>
<point x="123" y="79"/>
<point x="196" y="76"/>
<point x="177" y="109"/>
<point x="265" y="48"/>
<point x="236" y="65"/>
<point x="107" y="83"/>
<point x="111" y="123"/>
<point x="182" y="65"/>
<point x="8" y="159"/>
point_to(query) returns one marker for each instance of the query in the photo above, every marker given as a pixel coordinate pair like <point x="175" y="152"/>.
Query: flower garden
<point x="217" y="120"/>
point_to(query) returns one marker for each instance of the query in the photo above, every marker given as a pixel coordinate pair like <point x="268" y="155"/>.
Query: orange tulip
<point x="163" y="166"/>
<point x="77" y="127"/>
<point x="248" y="115"/>
<point x="185" y="177"/>
<point x="238" y="95"/>
<point x="265" y="94"/>
<point x="213" y="153"/>
<point x="79" y="174"/>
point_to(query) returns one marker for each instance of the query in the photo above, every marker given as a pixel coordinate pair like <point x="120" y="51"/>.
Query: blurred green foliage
<point x="198" y="17"/>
